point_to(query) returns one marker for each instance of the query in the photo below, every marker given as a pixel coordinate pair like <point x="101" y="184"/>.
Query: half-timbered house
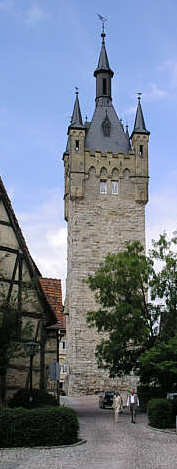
<point x="21" y="282"/>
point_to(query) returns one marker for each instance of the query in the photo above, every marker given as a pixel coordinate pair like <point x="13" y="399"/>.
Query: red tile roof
<point x="53" y="292"/>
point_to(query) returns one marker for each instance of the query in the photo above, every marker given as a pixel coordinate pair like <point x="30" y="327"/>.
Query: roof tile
<point x="53" y="292"/>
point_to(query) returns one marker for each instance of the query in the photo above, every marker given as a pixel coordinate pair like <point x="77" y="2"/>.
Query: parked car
<point x="106" y="400"/>
<point x="172" y="395"/>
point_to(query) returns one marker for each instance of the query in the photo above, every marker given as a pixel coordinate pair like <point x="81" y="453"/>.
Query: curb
<point x="79" y="443"/>
<point x="162" y="430"/>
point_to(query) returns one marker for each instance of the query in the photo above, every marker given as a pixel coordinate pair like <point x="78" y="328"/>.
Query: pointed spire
<point x="103" y="62"/>
<point x="103" y="74"/>
<point x="76" y="119"/>
<point x="139" y="126"/>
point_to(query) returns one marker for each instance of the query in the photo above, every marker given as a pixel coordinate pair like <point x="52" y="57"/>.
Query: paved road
<point x="109" y="445"/>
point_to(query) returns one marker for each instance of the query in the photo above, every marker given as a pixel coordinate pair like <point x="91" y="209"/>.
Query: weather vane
<point x="139" y="95"/>
<point x="77" y="89"/>
<point x="103" y="20"/>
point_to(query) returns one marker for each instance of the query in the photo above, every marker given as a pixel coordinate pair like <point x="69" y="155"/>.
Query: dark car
<point x="106" y="400"/>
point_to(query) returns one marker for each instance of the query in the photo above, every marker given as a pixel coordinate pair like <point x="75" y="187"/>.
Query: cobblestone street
<point x="108" y="446"/>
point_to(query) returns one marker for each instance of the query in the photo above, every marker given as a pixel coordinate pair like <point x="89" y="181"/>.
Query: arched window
<point x="126" y="173"/>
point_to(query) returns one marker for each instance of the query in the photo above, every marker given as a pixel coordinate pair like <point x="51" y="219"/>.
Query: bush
<point x="146" y="393"/>
<point x="40" y="399"/>
<point x="38" y="427"/>
<point x="160" y="413"/>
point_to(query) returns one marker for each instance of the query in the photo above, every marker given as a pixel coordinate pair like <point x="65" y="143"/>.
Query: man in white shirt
<point x="132" y="403"/>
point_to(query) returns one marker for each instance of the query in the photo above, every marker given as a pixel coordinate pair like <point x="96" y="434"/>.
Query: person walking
<point x="116" y="405"/>
<point x="132" y="404"/>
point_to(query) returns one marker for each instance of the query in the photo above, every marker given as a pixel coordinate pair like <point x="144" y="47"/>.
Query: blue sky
<point x="46" y="49"/>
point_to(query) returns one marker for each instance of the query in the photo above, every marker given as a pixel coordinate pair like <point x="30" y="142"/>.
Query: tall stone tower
<point x="106" y="189"/>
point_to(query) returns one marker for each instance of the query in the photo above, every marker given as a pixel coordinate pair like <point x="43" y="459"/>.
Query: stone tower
<point x="106" y="190"/>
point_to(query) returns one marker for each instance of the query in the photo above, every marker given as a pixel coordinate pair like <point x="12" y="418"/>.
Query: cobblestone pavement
<point x="109" y="445"/>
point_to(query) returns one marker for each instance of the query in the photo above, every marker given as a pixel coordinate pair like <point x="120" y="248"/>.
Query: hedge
<point x="40" y="398"/>
<point x="161" y="413"/>
<point x="46" y="426"/>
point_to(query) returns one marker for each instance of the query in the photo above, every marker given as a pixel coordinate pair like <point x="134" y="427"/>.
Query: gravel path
<point x="108" y="446"/>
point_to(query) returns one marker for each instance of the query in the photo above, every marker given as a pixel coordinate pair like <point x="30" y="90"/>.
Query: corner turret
<point x="74" y="156"/>
<point x="140" y="140"/>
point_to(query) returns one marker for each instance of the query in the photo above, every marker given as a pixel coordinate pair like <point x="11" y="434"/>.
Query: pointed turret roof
<point x="76" y="119"/>
<point x="139" y="126"/>
<point x="105" y="132"/>
<point x="103" y="62"/>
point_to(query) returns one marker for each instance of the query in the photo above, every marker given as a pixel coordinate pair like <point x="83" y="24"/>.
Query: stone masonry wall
<point x="97" y="224"/>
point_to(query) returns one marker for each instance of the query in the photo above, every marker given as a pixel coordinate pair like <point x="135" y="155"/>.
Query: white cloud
<point x="170" y="67"/>
<point x="46" y="236"/>
<point x="161" y="215"/>
<point x="35" y="15"/>
<point x="155" y="93"/>
<point x="131" y="110"/>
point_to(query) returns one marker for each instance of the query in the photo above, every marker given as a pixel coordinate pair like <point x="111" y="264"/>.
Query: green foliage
<point x="120" y="286"/>
<point x="38" y="427"/>
<point x="40" y="399"/>
<point x="159" y="364"/>
<point x="164" y="284"/>
<point x="160" y="413"/>
<point x="137" y="298"/>
<point x="146" y="393"/>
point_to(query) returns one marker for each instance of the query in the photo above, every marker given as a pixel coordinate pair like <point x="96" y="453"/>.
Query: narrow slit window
<point x="115" y="187"/>
<point x="104" y="86"/>
<point x="103" y="187"/>
<point x="77" y="145"/>
<point x="141" y="151"/>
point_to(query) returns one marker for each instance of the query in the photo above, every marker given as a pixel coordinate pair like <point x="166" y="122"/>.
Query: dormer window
<point x="106" y="126"/>
<point x="76" y="145"/>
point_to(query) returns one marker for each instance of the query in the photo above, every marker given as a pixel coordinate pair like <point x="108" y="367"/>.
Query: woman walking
<point x="116" y="405"/>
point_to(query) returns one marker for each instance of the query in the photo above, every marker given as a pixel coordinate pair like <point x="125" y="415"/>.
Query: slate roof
<point x="117" y="140"/>
<point x="76" y="120"/>
<point x="53" y="292"/>
<point x="139" y="126"/>
<point x="95" y="138"/>
<point x="103" y="62"/>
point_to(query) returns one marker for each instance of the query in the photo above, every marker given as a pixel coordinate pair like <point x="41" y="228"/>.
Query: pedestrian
<point x="116" y="405"/>
<point x="132" y="403"/>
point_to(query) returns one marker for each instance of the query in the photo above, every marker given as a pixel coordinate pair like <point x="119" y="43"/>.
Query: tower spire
<point x="76" y="119"/>
<point x="139" y="125"/>
<point x="103" y="72"/>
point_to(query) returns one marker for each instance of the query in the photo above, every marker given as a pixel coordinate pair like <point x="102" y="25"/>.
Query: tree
<point x="159" y="365"/>
<point x="164" y="284"/>
<point x="121" y="288"/>
<point x="137" y="300"/>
